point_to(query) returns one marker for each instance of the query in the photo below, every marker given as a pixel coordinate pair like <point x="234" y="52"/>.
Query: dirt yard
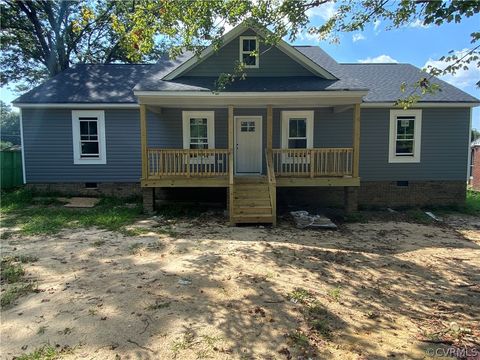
<point x="193" y="289"/>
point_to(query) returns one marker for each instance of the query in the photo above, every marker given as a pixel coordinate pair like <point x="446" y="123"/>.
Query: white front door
<point x="248" y="144"/>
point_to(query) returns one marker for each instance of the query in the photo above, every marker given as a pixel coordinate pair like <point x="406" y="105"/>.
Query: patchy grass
<point x="472" y="204"/>
<point x="46" y="352"/>
<point x="159" y="305"/>
<point x="11" y="272"/>
<point x="12" y="278"/>
<point x="13" y="292"/>
<point x="185" y="342"/>
<point x="299" y="339"/>
<point x="300" y="295"/>
<point x="21" y="210"/>
<point x="334" y="294"/>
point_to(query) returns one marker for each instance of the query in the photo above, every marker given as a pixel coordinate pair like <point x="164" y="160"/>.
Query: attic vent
<point x="402" y="183"/>
<point x="91" y="185"/>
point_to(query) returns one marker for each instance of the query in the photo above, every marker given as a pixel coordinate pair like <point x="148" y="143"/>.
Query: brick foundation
<point x="122" y="190"/>
<point x="374" y="194"/>
<point x="416" y="193"/>
<point x="369" y="194"/>
<point x="148" y="195"/>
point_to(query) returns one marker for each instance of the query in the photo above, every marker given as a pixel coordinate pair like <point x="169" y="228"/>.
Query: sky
<point x="414" y="44"/>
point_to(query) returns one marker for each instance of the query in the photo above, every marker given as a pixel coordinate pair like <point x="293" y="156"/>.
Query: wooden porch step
<point x="252" y="210"/>
<point x="251" y="201"/>
<point x="250" y="180"/>
<point x="242" y="202"/>
<point x="253" y="219"/>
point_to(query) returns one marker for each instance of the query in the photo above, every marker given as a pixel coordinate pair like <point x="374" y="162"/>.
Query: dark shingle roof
<point x="116" y="83"/>
<point x="89" y="84"/>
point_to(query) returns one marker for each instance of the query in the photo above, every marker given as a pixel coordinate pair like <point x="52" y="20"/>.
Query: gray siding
<point x="444" y="151"/>
<point x="49" y="147"/>
<point x="49" y="151"/>
<point x="272" y="62"/>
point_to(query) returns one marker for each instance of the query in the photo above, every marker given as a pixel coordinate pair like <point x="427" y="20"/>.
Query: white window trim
<point x="210" y="116"/>
<point x="241" y="52"/>
<point x="77" y="159"/>
<point x="287" y="115"/>
<point x="417" y="136"/>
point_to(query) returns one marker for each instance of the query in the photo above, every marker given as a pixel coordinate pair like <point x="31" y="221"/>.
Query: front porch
<point x="280" y="167"/>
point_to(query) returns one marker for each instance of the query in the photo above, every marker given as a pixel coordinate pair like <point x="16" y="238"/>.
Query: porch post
<point x="269" y="127"/>
<point x="356" y="140"/>
<point x="143" y="140"/>
<point x="230" y="162"/>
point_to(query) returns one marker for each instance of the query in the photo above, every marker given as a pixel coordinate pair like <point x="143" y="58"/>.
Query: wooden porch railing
<point x="187" y="162"/>
<point x="313" y="162"/>
<point x="272" y="184"/>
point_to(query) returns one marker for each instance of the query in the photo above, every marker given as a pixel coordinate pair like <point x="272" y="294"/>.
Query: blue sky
<point x="413" y="44"/>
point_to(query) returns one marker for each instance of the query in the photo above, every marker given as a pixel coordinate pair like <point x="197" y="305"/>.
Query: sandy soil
<point x="202" y="289"/>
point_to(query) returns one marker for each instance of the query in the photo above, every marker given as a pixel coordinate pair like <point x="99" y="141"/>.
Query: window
<point x="88" y="133"/>
<point x="198" y="130"/>
<point x="297" y="129"/>
<point x="405" y="136"/>
<point x="247" y="126"/>
<point x="249" y="55"/>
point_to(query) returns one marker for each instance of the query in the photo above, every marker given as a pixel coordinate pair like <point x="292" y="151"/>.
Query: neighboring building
<point x="475" y="161"/>
<point x="303" y="128"/>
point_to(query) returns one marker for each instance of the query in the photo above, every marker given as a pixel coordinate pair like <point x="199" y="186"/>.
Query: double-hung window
<point x="297" y="129"/>
<point x="249" y="55"/>
<point x="405" y="136"/>
<point x="297" y="133"/>
<point x="199" y="132"/>
<point x="88" y="134"/>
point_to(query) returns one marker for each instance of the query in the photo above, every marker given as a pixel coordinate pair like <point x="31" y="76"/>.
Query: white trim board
<point x="287" y="115"/>
<point x="76" y="106"/>
<point x="23" y="148"/>
<point x="417" y="137"/>
<point x="237" y="31"/>
<point x="102" y="146"/>
<point x="209" y="115"/>
<point x="390" y="105"/>
<point x="241" y="51"/>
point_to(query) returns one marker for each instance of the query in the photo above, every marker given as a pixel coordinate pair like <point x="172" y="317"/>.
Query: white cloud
<point x="376" y="25"/>
<point x="324" y="11"/>
<point x="306" y="36"/>
<point x="417" y="23"/>
<point x="358" y="37"/>
<point x="379" y="59"/>
<point x="462" y="78"/>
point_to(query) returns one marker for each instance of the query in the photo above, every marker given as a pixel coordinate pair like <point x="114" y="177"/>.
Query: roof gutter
<point x="76" y="105"/>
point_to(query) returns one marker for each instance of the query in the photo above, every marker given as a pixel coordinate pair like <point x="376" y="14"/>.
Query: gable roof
<point x="314" y="67"/>
<point x="117" y="83"/>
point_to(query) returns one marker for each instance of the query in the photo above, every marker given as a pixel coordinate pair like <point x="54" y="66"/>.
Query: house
<point x="475" y="165"/>
<point x="301" y="129"/>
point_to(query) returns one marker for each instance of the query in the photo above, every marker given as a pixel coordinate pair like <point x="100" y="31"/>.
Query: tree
<point x="192" y="25"/>
<point x="9" y="125"/>
<point x="475" y="134"/>
<point x="44" y="37"/>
